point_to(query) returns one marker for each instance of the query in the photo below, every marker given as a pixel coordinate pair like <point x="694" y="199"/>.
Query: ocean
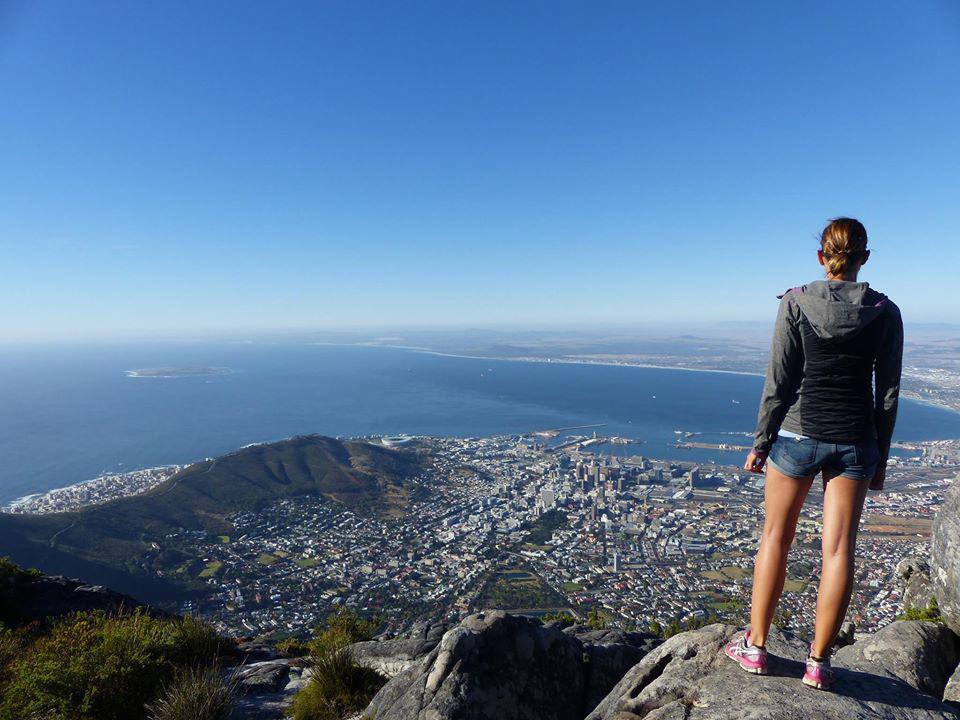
<point x="69" y="414"/>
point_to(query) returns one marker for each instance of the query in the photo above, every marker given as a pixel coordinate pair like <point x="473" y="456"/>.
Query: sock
<point x="815" y="658"/>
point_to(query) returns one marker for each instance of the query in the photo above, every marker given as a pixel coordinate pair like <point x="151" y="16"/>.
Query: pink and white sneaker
<point x="753" y="659"/>
<point x="819" y="674"/>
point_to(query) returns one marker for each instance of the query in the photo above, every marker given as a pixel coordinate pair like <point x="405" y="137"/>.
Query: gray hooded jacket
<point x="834" y="370"/>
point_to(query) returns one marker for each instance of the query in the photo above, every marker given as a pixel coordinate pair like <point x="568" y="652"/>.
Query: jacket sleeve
<point x="784" y="372"/>
<point x="887" y="380"/>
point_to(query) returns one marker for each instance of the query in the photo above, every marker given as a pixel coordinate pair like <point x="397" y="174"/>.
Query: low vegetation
<point x="676" y="626"/>
<point x="338" y="687"/>
<point x="598" y="619"/>
<point x="99" y="666"/>
<point x="194" y="693"/>
<point x="541" y="529"/>
<point x="564" y="619"/>
<point x="930" y="613"/>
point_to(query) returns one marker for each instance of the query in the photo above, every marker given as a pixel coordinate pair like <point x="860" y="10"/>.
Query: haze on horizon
<point x="208" y="167"/>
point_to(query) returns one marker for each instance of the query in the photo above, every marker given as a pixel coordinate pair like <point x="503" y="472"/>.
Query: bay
<point x="70" y="413"/>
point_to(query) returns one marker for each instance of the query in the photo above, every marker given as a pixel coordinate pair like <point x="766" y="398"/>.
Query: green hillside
<point x="124" y="543"/>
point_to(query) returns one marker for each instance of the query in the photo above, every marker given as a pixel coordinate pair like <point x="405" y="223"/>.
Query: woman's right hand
<point x="755" y="461"/>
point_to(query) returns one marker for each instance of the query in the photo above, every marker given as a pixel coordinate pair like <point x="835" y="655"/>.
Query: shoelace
<point x="822" y="665"/>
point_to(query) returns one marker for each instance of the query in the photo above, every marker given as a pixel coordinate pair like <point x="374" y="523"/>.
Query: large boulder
<point x="492" y="666"/>
<point x="267" y="676"/>
<point x="945" y="557"/>
<point x="688" y="677"/>
<point x="922" y="654"/>
<point x="914" y="574"/>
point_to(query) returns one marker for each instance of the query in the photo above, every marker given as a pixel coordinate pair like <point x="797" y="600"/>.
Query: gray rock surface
<point x="914" y="574"/>
<point x="689" y="678"/>
<point x="613" y="636"/>
<point x="257" y="650"/>
<point x="394" y="655"/>
<point x="492" y="666"/>
<point x="597" y="659"/>
<point x="611" y="652"/>
<point x="847" y="635"/>
<point x="945" y="557"/>
<point x="951" y="693"/>
<point x="922" y="654"/>
<point x="268" y="705"/>
<point x="269" y="676"/>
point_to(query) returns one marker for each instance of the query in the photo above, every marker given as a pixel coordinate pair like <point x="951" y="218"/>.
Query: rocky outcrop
<point x="391" y="656"/>
<point x="945" y="557"/>
<point x="689" y="678"/>
<point x="916" y="590"/>
<point x="609" y="653"/>
<point x="28" y="596"/>
<point x="922" y="654"/>
<point x="494" y="665"/>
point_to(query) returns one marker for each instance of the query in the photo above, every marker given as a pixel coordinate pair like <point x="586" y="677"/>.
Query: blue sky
<point x="211" y="166"/>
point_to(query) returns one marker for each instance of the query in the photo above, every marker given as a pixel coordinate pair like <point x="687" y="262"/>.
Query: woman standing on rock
<point x="819" y="413"/>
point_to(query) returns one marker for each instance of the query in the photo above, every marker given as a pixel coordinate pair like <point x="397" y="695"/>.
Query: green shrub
<point x="95" y="665"/>
<point x="292" y="647"/>
<point x="343" y="628"/>
<point x="194" y="693"/>
<point x="675" y="626"/>
<point x="337" y="687"/>
<point x="930" y="613"/>
<point x="598" y="619"/>
<point x="11" y="646"/>
<point x="564" y="619"/>
<point x="10" y="572"/>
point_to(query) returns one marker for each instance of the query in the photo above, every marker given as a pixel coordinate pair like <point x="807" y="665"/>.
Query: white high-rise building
<point x="548" y="498"/>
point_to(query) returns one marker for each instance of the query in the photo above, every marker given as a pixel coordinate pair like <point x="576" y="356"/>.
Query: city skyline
<point x="185" y="169"/>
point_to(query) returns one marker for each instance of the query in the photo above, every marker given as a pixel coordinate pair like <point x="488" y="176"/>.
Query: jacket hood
<point x="839" y="309"/>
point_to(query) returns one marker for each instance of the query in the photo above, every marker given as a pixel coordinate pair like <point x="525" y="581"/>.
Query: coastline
<point x="607" y="363"/>
<point x="534" y="359"/>
<point x="12" y="505"/>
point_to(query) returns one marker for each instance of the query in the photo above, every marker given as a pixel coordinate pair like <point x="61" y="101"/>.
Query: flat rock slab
<point x="689" y="678"/>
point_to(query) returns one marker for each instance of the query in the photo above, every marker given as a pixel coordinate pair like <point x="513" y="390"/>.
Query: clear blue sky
<point x="169" y="166"/>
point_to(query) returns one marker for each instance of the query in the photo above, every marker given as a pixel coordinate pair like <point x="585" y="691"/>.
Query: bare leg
<point x="842" y="507"/>
<point x="783" y="499"/>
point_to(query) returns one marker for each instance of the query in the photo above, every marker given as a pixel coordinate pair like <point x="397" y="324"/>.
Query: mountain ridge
<point x="126" y="543"/>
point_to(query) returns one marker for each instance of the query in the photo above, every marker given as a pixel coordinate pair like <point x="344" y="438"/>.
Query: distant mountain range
<point x="132" y="543"/>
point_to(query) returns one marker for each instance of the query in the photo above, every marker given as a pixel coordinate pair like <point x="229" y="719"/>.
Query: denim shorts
<point x="804" y="456"/>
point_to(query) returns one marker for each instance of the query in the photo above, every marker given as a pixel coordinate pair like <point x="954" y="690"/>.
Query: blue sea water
<point x="68" y="414"/>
